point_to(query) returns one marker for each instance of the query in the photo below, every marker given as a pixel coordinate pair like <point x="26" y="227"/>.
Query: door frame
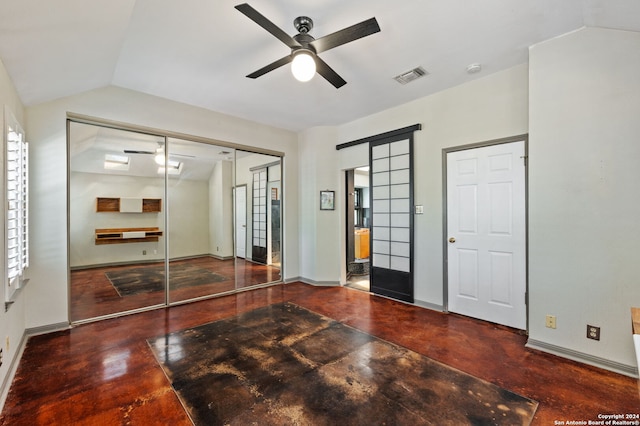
<point x="445" y="242"/>
<point x="349" y="176"/>
<point x="235" y="220"/>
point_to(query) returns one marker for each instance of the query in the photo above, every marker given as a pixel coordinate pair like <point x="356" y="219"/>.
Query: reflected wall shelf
<point x="128" y="205"/>
<point x="127" y="235"/>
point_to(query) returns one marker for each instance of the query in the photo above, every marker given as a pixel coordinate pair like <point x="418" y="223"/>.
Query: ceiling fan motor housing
<point x="304" y="40"/>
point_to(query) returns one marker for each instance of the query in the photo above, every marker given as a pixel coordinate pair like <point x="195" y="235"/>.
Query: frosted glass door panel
<point x="260" y="216"/>
<point x="391" y="196"/>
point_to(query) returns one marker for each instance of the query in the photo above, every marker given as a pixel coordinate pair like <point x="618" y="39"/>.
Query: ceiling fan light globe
<point x="303" y="66"/>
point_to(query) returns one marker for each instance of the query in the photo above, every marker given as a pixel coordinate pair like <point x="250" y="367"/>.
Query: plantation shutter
<point x="17" y="222"/>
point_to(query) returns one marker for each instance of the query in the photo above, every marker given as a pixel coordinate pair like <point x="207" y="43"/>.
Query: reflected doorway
<point x="259" y="176"/>
<point x="240" y="202"/>
<point x="358" y="228"/>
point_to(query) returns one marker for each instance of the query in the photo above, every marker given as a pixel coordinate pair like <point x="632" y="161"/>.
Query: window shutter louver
<point x="17" y="221"/>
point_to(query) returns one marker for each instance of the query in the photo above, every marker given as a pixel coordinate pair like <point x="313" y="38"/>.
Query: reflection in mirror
<point x="141" y="205"/>
<point x="116" y="221"/>
<point x="258" y="219"/>
<point x="200" y="209"/>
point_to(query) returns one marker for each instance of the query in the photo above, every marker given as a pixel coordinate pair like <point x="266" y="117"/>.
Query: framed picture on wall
<point x="327" y="200"/>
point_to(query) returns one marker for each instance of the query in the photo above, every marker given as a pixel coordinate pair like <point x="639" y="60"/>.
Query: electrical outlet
<point x="593" y="332"/>
<point x="144" y="252"/>
<point x="551" y="321"/>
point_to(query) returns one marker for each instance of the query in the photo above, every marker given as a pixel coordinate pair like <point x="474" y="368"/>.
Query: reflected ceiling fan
<point x="304" y="58"/>
<point x="158" y="152"/>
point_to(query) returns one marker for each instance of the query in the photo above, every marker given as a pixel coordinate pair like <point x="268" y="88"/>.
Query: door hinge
<point x="526" y="297"/>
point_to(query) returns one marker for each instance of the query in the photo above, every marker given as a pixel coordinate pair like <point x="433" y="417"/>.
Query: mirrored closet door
<point x="200" y="220"/>
<point x="157" y="220"/>
<point x="258" y="221"/>
<point x="116" y="221"/>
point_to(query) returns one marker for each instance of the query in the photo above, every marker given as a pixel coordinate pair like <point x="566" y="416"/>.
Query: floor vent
<point x="409" y="76"/>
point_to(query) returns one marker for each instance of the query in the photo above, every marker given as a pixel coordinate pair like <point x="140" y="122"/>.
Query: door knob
<point x="452" y="240"/>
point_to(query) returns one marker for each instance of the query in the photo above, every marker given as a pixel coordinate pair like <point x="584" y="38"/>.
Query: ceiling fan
<point x="158" y="151"/>
<point x="304" y="58"/>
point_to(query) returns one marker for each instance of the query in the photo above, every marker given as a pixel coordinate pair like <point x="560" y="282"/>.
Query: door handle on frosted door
<point x="452" y="240"/>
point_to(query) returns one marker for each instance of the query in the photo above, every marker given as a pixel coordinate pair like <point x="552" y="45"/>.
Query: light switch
<point x="419" y="209"/>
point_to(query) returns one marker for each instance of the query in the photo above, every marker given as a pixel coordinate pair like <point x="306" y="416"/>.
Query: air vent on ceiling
<point x="409" y="76"/>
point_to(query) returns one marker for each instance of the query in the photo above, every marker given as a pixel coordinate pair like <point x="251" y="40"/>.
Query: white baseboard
<point x="13" y="367"/>
<point x="45" y="329"/>
<point x="319" y="283"/>
<point x="616" y="367"/>
<point x="215" y="256"/>
<point x="428" y="305"/>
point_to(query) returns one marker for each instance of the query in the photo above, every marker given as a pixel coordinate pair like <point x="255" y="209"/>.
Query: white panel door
<point x="487" y="233"/>
<point x="241" y="221"/>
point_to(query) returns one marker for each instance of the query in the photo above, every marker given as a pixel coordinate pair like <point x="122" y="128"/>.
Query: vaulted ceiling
<point x="199" y="51"/>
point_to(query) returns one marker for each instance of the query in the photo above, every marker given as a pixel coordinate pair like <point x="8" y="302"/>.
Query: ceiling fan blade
<point x="329" y="74"/>
<point x="272" y="66"/>
<point x="134" y="151"/>
<point x="259" y="19"/>
<point x="349" y="34"/>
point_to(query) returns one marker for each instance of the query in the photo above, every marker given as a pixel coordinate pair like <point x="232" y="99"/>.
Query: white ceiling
<point x="199" y="51"/>
<point x="90" y="144"/>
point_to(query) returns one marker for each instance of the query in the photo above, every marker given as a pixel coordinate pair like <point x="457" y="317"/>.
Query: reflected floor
<point x="93" y="295"/>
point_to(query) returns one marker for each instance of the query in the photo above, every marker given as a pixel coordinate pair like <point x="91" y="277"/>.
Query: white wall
<point x="583" y="190"/>
<point x="221" y="210"/>
<point x="320" y="233"/>
<point x="489" y="108"/>
<point x="46" y="127"/>
<point x="13" y="322"/>
<point x="189" y="211"/>
<point x="200" y="216"/>
<point x="84" y="188"/>
<point x="360" y="179"/>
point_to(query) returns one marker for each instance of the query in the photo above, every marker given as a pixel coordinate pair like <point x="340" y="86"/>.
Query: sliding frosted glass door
<point x="259" y="216"/>
<point x="391" y="202"/>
